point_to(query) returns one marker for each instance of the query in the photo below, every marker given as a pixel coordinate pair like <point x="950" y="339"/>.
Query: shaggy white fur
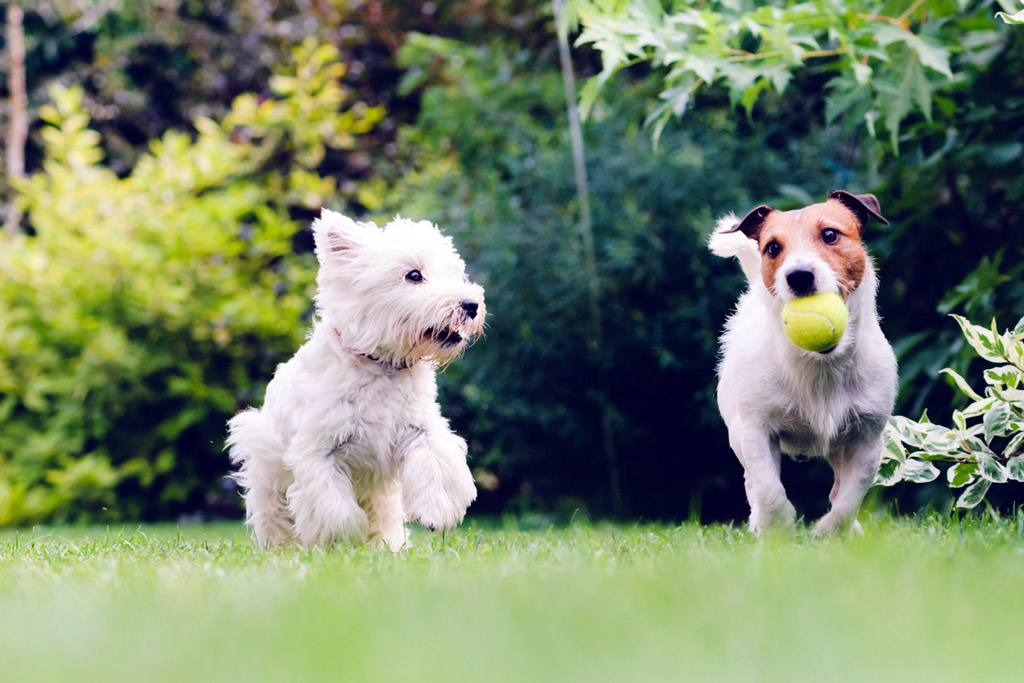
<point x="350" y="441"/>
<point x="777" y="398"/>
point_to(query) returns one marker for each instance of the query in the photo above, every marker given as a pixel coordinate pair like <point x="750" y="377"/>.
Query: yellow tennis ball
<point x="816" y="322"/>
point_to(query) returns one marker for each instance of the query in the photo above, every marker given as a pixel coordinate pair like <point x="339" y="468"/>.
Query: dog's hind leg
<point x="255" y="446"/>
<point x="387" y="521"/>
<point x="855" y="469"/>
<point x="322" y="500"/>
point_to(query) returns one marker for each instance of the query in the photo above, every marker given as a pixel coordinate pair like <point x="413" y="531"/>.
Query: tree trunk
<point x="17" y="123"/>
<point x="589" y="262"/>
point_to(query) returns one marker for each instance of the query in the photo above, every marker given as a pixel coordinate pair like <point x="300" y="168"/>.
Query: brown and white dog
<point x="777" y="398"/>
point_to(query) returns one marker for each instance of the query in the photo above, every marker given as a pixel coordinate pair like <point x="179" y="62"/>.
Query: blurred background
<point x="156" y="261"/>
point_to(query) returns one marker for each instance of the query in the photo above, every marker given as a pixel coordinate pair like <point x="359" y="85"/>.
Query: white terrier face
<point x="399" y="293"/>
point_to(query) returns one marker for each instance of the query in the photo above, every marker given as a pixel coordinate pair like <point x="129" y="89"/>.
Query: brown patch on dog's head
<point x="830" y="229"/>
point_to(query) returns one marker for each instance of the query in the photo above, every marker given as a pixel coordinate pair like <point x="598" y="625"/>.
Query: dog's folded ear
<point x="334" y="233"/>
<point x="753" y="222"/>
<point x="863" y="206"/>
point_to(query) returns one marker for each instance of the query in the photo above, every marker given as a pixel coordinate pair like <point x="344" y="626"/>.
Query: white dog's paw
<point x="323" y="521"/>
<point x="441" y="508"/>
<point x="833" y="522"/>
<point x="391" y="539"/>
<point x="781" y="517"/>
<point x="272" y="532"/>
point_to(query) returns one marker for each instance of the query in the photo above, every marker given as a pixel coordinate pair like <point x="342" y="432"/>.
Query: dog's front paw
<point x="781" y="517"/>
<point x="393" y="540"/>
<point x="441" y="508"/>
<point x="319" y="522"/>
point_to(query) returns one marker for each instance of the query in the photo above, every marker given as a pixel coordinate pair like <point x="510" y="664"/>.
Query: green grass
<point x="927" y="599"/>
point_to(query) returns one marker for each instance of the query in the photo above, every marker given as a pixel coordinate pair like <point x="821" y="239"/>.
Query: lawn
<point x="914" y="599"/>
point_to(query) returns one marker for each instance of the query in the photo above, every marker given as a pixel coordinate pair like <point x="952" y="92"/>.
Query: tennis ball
<point x="816" y="322"/>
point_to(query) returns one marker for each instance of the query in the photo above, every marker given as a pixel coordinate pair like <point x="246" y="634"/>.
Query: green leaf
<point x="974" y="494"/>
<point x="929" y="53"/>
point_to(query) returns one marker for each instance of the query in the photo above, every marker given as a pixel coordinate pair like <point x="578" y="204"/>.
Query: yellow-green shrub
<point x="139" y="307"/>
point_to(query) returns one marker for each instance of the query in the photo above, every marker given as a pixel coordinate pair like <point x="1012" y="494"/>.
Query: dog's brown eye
<point x="773" y="249"/>
<point x="414" y="276"/>
<point x="830" y="236"/>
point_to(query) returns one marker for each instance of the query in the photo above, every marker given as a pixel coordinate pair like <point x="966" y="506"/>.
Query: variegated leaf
<point x="974" y="494"/>
<point x="1015" y="468"/>
<point x="1015" y="444"/>
<point x="980" y="339"/>
<point x="961" y="474"/>
<point x="919" y="471"/>
<point x="889" y="472"/>
<point x="1006" y="374"/>
<point x="961" y="383"/>
<point x="979" y="407"/>
<point x="893" y="448"/>
<point x="991" y="469"/>
<point x="1018" y="330"/>
<point x="996" y="421"/>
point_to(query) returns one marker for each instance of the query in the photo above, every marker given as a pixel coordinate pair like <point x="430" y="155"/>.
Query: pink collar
<point x="386" y="364"/>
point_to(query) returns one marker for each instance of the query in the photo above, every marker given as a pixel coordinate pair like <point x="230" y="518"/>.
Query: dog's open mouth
<point x="444" y="336"/>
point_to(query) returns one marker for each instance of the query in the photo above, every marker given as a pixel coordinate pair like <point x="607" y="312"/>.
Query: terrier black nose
<point x="470" y="308"/>
<point x="801" y="281"/>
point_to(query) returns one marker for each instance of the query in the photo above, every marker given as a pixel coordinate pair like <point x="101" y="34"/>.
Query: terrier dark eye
<point x="414" y="276"/>
<point x="773" y="249"/>
<point x="830" y="236"/>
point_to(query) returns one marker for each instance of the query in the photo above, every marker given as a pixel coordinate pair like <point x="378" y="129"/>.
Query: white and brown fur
<point x="776" y="398"/>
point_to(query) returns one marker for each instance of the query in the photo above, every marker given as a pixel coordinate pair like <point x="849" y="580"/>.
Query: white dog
<point x="777" y="398"/>
<point x="350" y="441"/>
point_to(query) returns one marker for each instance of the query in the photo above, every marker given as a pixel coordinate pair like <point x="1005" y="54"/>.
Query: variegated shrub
<point x="989" y="450"/>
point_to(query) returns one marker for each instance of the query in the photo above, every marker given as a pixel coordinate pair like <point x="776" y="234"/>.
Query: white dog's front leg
<point x="437" y="485"/>
<point x="322" y="500"/>
<point x="769" y="506"/>
<point x="387" y="522"/>
<point x="855" y="468"/>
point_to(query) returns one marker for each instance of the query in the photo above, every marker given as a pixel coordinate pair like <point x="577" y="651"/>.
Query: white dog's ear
<point x="334" y="233"/>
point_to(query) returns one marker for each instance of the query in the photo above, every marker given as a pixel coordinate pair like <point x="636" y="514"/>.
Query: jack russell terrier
<point x="777" y="398"/>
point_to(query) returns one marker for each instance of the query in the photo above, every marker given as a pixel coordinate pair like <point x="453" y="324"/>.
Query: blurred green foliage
<point x="492" y="163"/>
<point x="139" y="303"/>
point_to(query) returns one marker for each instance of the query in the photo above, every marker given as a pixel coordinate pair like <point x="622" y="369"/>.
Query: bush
<point x="988" y="452"/>
<point x="142" y="311"/>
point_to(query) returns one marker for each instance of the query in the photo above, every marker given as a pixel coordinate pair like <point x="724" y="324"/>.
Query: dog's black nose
<point x="470" y="308"/>
<point x="801" y="281"/>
